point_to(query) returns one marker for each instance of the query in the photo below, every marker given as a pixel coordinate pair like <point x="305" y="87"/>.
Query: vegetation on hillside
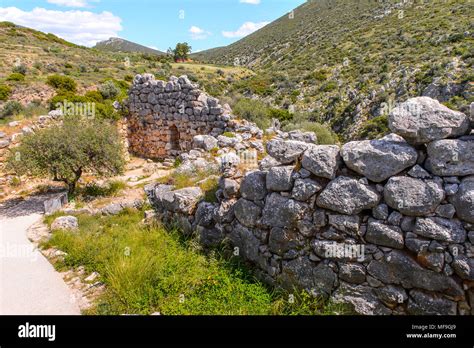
<point x="347" y="61"/>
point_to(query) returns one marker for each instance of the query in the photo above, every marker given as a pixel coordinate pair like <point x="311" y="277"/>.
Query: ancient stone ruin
<point x="165" y="116"/>
<point x="384" y="225"/>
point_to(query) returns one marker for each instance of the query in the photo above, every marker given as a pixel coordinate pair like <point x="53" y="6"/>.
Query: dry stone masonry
<point x="385" y="225"/>
<point x="165" y="116"/>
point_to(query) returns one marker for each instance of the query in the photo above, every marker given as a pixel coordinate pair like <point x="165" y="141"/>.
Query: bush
<point x="11" y="108"/>
<point x="5" y="92"/>
<point x="109" y="90"/>
<point x="374" y="128"/>
<point x="324" y="133"/>
<point x="95" y="95"/>
<point x="65" y="151"/>
<point x="16" y="77"/>
<point x="253" y="111"/>
<point x="63" y="83"/>
<point x="111" y="189"/>
<point x="20" y="69"/>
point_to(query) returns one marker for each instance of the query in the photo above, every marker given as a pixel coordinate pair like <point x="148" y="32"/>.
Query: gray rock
<point x="268" y="162"/>
<point x="204" y="215"/>
<point x="283" y="212"/>
<point x="247" y="212"/>
<point x="112" y="209"/>
<point x="446" y="211"/>
<point x="398" y="268"/>
<point x="379" y="159"/>
<point x="440" y="229"/>
<point x="286" y="152"/>
<point x="55" y="203"/>
<point x="395" y="218"/>
<point x="322" y="160"/>
<point x="419" y="173"/>
<point x="408" y="223"/>
<point x="183" y="201"/>
<point x="464" y="267"/>
<point x="463" y="200"/>
<point x="253" y="186"/>
<point x="380" y="212"/>
<point x="281" y="240"/>
<point x="380" y="234"/>
<point x="451" y="157"/>
<point x="348" y="196"/>
<point x="319" y="218"/>
<point x="306" y="137"/>
<point x="65" y="223"/>
<point x="346" y="223"/>
<point x="304" y="189"/>
<point x="324" y="280"/>
<point x="297" y="272"/>
<point x="361" y="298"/>
<point x="421" y="120"/>
<point x="392" y="295"/>
<point x="246" y="242"/>
<point x="4" y="143"/>
<point x="230" y="188"/>
<point x="413" y="197"/>
<point x="205" y="142"/>
<point x="352" y="272"/>
<point x="280" y="179"/>
<point x="210" y="237"/>
<point x="451" y="189"/>
<point x="421" y="303"/>
<point x="415" y="244"/>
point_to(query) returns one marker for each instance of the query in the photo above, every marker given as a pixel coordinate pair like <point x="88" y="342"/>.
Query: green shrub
<point x="374" y="128"/>
<point x="113" y="188"/>
<point x="20" y="69"/>
<point x="16" y="77"/>
<point x="95" y="95"/>
<point x="11" y="108"/>
<point x="324" y="133"/>
<point x="5" y="92"/>
<point x="109" y="90"/>
<point x="253" y="111"/>
<point x="60" y="82"/>
<point x="228" y="134"/>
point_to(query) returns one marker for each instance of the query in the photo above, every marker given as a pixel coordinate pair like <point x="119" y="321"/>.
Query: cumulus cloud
<point x="80" y="27"/>
<point x="252" y="2"/>
<point x="69" y="3"/>
<point x="245" y="29"/>
<point x="198" y="33"/>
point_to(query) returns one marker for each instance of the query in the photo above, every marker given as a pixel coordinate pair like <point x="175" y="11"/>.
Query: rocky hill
<point x="116" y="44"/>
<point x="342" y="59"/>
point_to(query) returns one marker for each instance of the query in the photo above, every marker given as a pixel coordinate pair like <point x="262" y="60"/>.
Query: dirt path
<point x="28" y="282"/>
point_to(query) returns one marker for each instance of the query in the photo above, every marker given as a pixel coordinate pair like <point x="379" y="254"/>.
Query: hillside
<point x="341" y="59"/>
<point x="115" y="44"/>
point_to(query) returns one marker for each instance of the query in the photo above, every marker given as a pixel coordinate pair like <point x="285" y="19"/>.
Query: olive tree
<point x="65" y="151"/>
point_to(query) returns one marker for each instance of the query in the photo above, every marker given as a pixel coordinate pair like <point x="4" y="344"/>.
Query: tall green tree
<point x="66" y="151"/>
<point x="181" y="52"/>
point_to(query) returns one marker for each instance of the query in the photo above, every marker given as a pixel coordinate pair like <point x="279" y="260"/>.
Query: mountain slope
<point x="115" y="44"/>
<point x="342" y="59"/>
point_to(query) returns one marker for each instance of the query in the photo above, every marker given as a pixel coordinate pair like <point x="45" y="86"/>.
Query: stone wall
<point x="165" y="116"/>
<point x="385" y="225"/>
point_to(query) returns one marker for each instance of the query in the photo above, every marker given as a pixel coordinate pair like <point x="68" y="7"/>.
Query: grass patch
<point x="148" y="269"/>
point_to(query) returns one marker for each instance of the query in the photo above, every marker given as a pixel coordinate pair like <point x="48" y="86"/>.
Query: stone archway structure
<point x="165" y="116"/>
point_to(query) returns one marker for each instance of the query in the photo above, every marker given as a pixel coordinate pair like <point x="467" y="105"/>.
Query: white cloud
<point x="80" y="27"/>
<point x="198" y="33"/>
<point x="252" y="2"/>
<point x="245" y="29"/>
<point x="69" y="3"/>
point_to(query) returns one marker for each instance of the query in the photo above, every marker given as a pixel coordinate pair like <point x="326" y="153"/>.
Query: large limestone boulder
<point x="413" y="197"/>
<point x="398" y="268"/>
<point x="451" y="157"/>
<point x="421" y="303"/>
<point x="182" y="201"/>
<point x="280" y="178"/>
<point x="322" y="160"/>
<point x="378" y="160"/>
<point x="385" y="235"/>
<point x="247" y="212"/>
<point x="253" y="186"/>
<point x="286" y="152"/>
<point x="445" y="230"/>
<point x="283" y="212"/>
<point x="65" y="223"/>
<point x="362" y="299"/>
<point x="463" y="200"/>
<point x="422" y="120"/>
<point x="348" y="196"/>
<point x="205" y="142"/>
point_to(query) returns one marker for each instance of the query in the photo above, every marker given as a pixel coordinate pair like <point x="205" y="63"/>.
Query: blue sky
<point x="159" y="24"/>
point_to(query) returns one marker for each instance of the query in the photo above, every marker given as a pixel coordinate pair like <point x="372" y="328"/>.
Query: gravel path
<point x="29" y="284"/>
